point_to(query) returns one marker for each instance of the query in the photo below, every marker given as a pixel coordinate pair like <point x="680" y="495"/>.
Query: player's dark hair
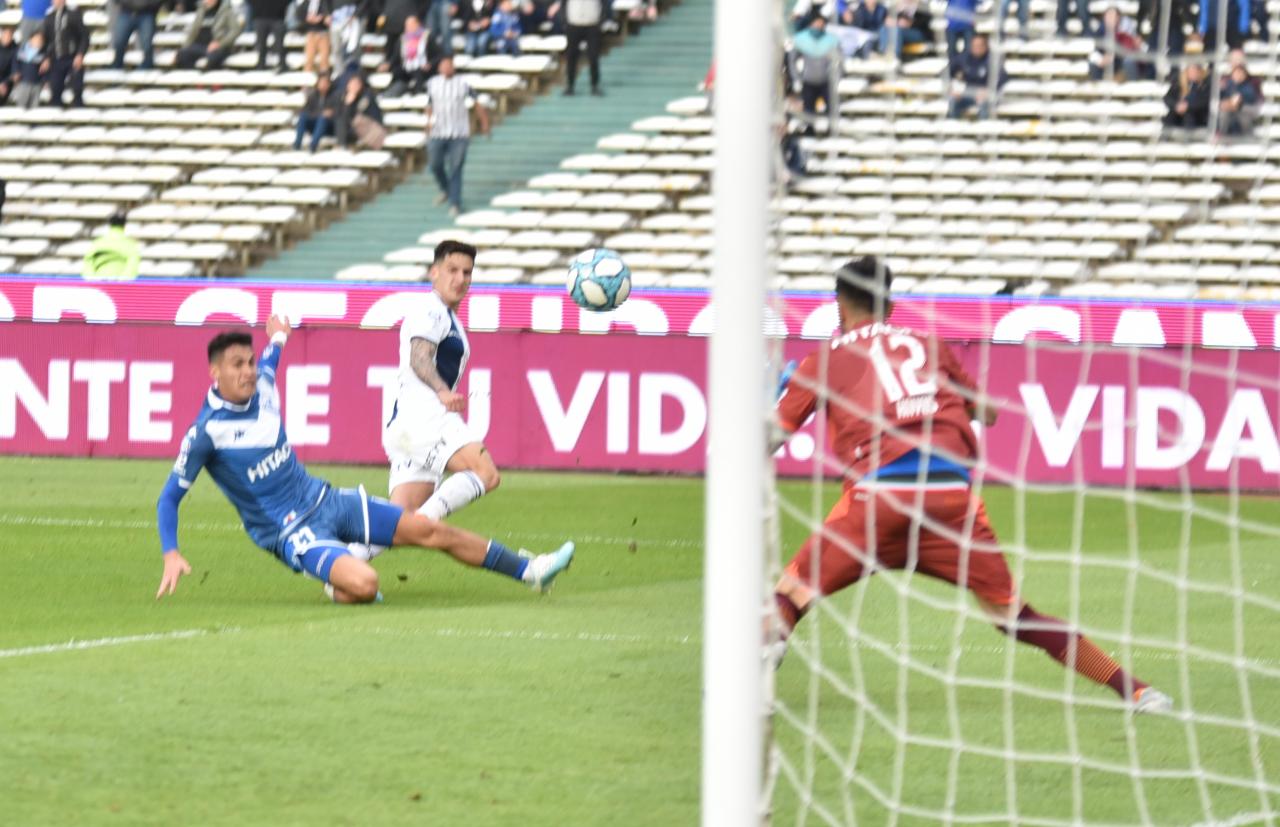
<point x="865" y="282"/>
<point x="448" y="247"/>
<point x="117" y="219"/>
<point x="230" y="338"/>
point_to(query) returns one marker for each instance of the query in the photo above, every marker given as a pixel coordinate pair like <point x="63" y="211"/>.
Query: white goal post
<point x="733" y="702"/>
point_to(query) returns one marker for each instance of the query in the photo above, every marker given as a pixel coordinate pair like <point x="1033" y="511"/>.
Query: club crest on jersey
<point x="270" y="463"/>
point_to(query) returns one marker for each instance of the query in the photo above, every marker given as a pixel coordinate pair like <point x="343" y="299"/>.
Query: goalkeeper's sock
<point x="453" y="494"/>
<point x="501" y="559"/>
<point x="1073" y="649"/>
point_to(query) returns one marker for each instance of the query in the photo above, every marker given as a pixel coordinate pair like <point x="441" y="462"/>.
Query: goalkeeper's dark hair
<point x="865" y="282"/>
<point x="448" y="247"/>
<point x="230" y="338"/>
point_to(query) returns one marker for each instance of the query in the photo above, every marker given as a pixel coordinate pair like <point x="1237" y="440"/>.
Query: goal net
<point x="1103" y="276"/>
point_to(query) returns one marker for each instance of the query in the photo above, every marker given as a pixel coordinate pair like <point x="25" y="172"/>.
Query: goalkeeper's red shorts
<point x="942" y="532"/>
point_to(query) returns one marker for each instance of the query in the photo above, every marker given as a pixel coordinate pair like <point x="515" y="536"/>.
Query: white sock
<point x="365" y="552"/>
<point x="453" y="494"/>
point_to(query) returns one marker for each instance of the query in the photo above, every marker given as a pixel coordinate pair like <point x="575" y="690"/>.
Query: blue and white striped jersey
<point x="246" y="451"/>
<point x="433" y="321"/>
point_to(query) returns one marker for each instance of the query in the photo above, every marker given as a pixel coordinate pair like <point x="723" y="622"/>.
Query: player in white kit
<point x="426" y="437"/>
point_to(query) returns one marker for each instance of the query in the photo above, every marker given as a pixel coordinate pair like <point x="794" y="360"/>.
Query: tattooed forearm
<point x="422" y="358"/>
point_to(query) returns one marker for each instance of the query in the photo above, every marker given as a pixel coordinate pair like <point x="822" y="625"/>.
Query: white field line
<point x="99" y="643"/>
<point x="45" y="521"/>
<point x="523" y="635"/>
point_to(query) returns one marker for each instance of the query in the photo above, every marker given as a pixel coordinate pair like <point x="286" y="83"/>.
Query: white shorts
<point x="421" y="452"/>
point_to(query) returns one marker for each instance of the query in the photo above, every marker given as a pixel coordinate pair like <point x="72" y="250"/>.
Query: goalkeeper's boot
<point x="1151" y="701"/>
<point x="543" y="569"/>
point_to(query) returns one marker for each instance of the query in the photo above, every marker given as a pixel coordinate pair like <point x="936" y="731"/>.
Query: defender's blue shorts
<point x="312" y="543"/>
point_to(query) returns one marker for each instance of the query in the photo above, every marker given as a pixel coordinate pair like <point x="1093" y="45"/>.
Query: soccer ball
<point x="599" y="279"/>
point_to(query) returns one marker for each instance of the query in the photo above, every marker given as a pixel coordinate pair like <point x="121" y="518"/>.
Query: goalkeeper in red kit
<point x="898" y="407"/>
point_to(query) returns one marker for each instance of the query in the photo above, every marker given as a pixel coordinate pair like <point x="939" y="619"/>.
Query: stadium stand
<point x="203" y="161"/>
<point x="1073" y="189"/>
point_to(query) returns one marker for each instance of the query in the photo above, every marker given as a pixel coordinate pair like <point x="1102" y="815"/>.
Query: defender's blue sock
<point x="499" y="558"/>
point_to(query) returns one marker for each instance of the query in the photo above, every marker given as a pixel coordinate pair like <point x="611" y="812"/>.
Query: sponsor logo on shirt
<point x="270" y="463"/>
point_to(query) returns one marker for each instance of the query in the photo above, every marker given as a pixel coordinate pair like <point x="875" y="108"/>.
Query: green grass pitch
<point x="466" y="700"/>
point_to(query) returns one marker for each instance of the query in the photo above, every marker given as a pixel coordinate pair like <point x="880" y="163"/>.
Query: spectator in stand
<point x="972" y="81"/>
<point x="1082" y="11"/>
<point x="440" y="24"/>
<point x="1238" y="15"/>
<point x="1188" y="99"/>
<point x="911" y="25"/>
<point x="960" y="16"/>
<point x="28" y="73"/>
<point x="211" y="35"/>
<point x="113" y="256"/>
<point x="315" y="16"/>
<point x="541" y="16"/>
<point x="1240" y="101"/>
<point x="805" y="10"/>
<point x="316" y="116"/>
<point x="792" y="156"/>
<point x="815" y="62"/>
<point x="268" y="22"/>
<point x="505" y="29"/>
<point x="346" y="27"/>
<point x="1024" y="11"/>
<point x="584" y="18"/>
<point x="136" y="16"/>
<point x="33" y="14"/>
<point x="476" y="17"/>
<point x="1116" y="45"/>
<point x="450" y="131"/>
<point x="358" y="119"/>
<point x="394" y="22"/>
<point x="868" y="18"/>
<point x="68" y="40"/>
<point x="8" y="63"/>
<point x="417" y="60"/>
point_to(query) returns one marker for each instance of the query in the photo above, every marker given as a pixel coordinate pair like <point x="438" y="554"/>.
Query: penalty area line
<point x="74" y="645"/>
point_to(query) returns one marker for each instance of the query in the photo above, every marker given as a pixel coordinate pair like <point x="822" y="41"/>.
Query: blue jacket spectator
<point x="972" y="81"/>
<point x="504" y="30"/>
<point x="870" y="16"/>
<point x="1240" y="101"/>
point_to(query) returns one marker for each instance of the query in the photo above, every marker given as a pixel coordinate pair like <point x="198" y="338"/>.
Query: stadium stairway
<point x="663" y="61"/>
